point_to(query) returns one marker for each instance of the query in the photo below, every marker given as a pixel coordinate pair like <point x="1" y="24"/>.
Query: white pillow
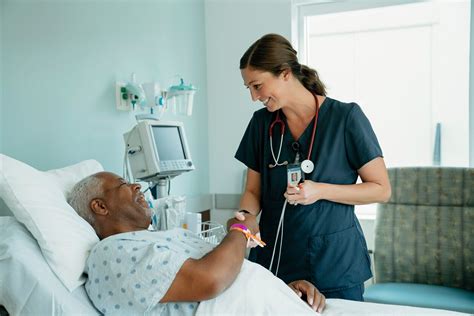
<point x="38" y="200"/>
<point x="24" y="270"/>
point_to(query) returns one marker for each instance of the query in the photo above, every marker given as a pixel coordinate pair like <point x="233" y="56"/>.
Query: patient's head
<point x="110" y="204"/>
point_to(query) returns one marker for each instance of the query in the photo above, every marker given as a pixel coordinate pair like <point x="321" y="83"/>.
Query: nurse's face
<point x="265" y="87"/>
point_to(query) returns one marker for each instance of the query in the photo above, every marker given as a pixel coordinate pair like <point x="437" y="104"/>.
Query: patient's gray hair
<point x="82" y="194"/>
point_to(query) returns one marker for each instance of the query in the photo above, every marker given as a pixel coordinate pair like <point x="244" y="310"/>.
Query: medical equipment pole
<point x="161" y="188"/>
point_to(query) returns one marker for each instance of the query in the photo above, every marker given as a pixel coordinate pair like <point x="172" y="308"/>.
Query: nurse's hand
<point x="305" y="193"/>
<point x="315" y="299"/>
<point x="240" y="215"/>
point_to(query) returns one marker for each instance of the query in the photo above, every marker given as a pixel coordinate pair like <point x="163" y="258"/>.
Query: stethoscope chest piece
<point x="307" y="166"/>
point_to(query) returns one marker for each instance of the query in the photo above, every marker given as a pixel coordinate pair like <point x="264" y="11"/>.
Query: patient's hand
<point x="315" y="299"/>
<point x="250" y="221"/>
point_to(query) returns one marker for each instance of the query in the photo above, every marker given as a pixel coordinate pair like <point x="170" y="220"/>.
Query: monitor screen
<point x="168" y="142"/>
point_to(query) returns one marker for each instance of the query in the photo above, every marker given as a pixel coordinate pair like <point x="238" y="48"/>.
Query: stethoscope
<point x="307" y="165"/>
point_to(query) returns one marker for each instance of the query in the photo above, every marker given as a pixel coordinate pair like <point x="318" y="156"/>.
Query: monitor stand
<point x="159" y="189"/>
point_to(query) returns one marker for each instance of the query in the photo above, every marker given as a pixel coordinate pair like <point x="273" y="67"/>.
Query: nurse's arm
<point x="375" y="186"/>
<point x="250" y="200"/>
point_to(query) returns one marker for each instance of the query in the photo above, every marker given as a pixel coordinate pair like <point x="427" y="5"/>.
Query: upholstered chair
<point x="424" y="240"/>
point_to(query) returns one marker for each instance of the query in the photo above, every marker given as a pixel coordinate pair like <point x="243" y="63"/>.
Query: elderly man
<point x="133" y="270"/>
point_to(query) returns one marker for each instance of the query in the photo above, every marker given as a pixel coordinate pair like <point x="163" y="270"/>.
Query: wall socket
<point x="121" y="103"/>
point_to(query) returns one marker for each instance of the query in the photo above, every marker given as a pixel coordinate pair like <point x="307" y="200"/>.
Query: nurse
<point x="333" y="144"/>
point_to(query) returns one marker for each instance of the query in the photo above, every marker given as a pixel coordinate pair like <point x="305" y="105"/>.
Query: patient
<point x="133" y="270"/>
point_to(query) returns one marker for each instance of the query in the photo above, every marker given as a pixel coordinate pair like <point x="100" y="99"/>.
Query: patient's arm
<point x="315" y="299"/>
<point x="205" y="278"/>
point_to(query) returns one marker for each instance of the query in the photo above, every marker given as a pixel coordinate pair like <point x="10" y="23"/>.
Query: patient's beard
<point x="148" y="213"/>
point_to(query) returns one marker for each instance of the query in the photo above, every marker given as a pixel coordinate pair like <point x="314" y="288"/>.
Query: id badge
<point x="294" y="174"/>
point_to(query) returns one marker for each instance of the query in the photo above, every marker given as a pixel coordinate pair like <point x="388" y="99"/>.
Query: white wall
<point x="231" y="27"/>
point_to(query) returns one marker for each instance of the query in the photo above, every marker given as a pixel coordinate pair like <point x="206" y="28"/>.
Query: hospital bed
<point x="29" y="287"/>
<point x="31" y="283"/>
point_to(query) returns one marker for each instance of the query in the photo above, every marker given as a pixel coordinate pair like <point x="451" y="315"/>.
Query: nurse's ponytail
<point x="310" y="80"/>
<point x="274" y="53"/>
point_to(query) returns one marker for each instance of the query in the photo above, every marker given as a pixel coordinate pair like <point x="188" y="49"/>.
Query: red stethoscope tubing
<point x="282" y="128"/>
<point x="278" y="120"/>
<point x="314" y="127"/>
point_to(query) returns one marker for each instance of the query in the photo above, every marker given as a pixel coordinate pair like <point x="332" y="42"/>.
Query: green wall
<point x="471" y="94"/>
<point x="1" y="77"/>
<point x="60" y="61"/>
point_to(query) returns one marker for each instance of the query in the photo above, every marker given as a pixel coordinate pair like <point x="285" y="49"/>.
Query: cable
<point x="148" y="188"/>
<point x="280" y="225"/>
<point x="169" y="185"/>
<point x="124" y="167"/>
<point x="281" y="244"/>
<point x="126" y="170"/>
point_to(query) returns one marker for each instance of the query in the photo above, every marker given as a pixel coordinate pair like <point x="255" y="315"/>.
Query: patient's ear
<point x="98" y="206"/>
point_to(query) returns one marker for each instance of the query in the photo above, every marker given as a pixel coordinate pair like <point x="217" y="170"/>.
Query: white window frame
<point x="301" y="9"/>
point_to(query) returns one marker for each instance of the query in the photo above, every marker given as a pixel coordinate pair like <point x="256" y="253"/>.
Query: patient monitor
<point x="157" y="150"/>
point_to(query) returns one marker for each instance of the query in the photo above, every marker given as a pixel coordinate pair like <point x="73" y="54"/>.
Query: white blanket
<point x="257" y="292"/>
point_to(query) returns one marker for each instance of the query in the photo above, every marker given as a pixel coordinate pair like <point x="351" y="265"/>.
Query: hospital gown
<point x="129" y="273"/>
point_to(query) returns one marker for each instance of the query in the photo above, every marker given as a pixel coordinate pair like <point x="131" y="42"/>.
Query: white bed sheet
<point x="29" y="287"/>
<point x="27" y="284"/>
<point x="250" y="294"/>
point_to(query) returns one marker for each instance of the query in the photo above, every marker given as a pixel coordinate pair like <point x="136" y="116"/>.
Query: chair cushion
<point x="421" y="295"/>
<point x="425" y="245"/>
<point x="424" y="234"/>
<point x="432" y="186"/>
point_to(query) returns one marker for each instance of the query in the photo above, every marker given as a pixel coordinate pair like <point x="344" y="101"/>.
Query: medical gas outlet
<point x="132" y="96"/>
<point x="129" y="96"/>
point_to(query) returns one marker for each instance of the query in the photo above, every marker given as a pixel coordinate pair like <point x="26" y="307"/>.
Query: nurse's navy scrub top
<point x="323" y="242"/>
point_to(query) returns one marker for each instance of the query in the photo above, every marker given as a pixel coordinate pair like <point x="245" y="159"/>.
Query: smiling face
<point x="124" y="201"/>
<point x="266" y="87"/>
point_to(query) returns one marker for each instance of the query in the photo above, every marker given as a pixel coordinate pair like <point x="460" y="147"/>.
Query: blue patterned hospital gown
<point x="129" y="273"/>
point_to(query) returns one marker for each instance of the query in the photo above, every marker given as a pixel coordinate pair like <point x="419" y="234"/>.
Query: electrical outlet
<point x="122" y="99"/>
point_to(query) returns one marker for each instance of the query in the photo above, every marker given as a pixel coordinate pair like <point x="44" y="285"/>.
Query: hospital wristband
<point x="241" y="226"/>
<point x="243" y="232"/>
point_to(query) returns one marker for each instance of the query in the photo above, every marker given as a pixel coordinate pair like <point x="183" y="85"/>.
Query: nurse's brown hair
<point x="274" y="53"/>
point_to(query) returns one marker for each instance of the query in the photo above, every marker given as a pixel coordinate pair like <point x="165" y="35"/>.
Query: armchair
<point x="424" y="240"/>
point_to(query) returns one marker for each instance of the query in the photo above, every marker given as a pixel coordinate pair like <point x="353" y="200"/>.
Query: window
<point x="407" y="66"/>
